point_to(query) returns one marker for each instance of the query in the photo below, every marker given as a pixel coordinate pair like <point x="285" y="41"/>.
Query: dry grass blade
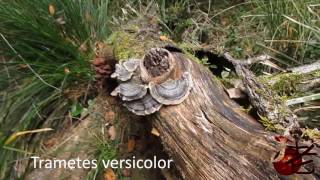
<point x="303" y="99"/>
<point x="14" y="136"/>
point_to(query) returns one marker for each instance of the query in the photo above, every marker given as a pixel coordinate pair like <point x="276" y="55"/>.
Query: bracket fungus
<point x="124" y="71"/>
<point x="172" y="91"/>
<point x="147" y="84"/>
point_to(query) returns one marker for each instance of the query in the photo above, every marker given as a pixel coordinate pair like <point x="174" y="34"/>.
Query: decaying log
<point x="267" y="103"/>
<point x="208" y="135"/>
<point x="306" y="68"/>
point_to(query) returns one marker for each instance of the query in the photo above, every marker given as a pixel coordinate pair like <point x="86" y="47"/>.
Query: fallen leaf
<point x="131" y="145"/>
<point x="235" y="93"/>
<point x="112" y="133"/>
<point x="109" y="174"/>
<point x="155" y="132"/>
<point x="164" y="38"/>
<point x="52" y="9"/>
<point x="23" y="66"/>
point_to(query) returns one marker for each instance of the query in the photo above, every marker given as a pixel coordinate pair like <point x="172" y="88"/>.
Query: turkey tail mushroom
<point x="131" y="65"/>
<point x="129" y="91"/>
<point x="124" y="71"/>
<point x="172" y="91"/>
<point x="121" y="73"/>
<point x="156" y="71"/>
<point x="145" y="106"/>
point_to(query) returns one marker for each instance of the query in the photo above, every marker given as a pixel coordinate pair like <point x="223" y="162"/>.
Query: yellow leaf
<point x="155" y="132"/>
<point x="109" y="175"/>
<point x="164" y="38"/>
<point x="52" y="9"/>
<point x="14" y="136"/>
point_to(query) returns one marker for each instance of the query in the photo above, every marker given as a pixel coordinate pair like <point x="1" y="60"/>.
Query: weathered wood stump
<point x="209" y="137"/>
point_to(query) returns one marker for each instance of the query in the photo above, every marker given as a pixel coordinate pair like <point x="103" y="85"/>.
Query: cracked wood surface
<point x="209" y="137"/>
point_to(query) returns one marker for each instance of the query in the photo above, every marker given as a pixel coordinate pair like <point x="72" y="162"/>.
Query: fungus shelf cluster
<point x="147" y="84"/>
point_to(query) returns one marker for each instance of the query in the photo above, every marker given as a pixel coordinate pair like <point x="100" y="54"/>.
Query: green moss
<point x="269" y="125"/>
<point x="311" y="133"/>
<point x="316" y="73"/>
<point x="286" y="85"/>
<point x="125" y="45"/>
<point x="187" y="47"/>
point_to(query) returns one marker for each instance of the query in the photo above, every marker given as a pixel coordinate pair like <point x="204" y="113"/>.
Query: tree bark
<point x="267" y="103"/>
<point x="209" y="137"/>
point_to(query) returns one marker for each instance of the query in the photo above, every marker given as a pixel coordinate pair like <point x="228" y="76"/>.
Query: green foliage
<point x="287" y="84"/>
<point x="46" y="47"/>
<point x="287" y="29"/>
<point x="76" y="109"/>
<point x="269" y="125"/>
<point x="291" y="27"/>
<point x="105" y="150"/>
<point x="175" y="16"/>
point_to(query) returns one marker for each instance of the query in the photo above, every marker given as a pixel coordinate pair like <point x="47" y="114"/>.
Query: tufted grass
<point x="287" y="29"/>
<point x="45" y="48"/>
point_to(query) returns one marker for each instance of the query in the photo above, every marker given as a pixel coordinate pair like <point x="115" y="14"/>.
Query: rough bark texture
<point x="209" y="137"/>
<point x="267" y="103"/>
